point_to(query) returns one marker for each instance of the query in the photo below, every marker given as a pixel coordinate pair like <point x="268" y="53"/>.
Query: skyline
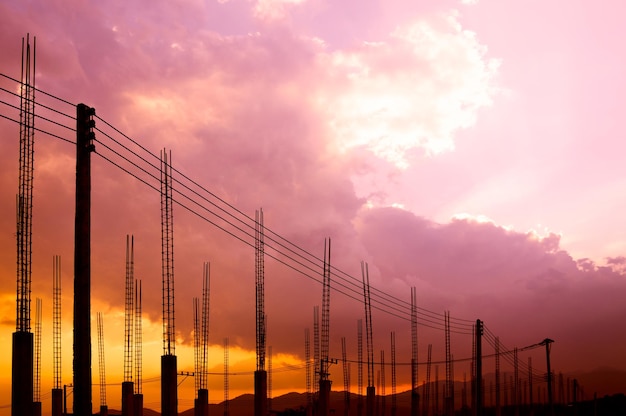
<point x="440" y="143"/>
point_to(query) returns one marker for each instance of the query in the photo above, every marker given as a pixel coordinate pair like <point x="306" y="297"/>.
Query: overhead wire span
<point x="248" y="222"/>
<point x="240" y="225"/>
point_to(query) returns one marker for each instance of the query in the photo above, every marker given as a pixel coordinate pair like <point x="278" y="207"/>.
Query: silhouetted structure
<point x="82" y="261"/>
<point x="128" y="388"/>
<point x="37" y="363"/>
<point x="138" y="397"/>
<point x="370" y="397"/>
<point x="104" y="409"/>
<point x="415" y="398"/>
<point x="260" y="375"/>
<point x="169" y="393"/>
<point x="22" y="348"/>
<point x="57" y="392"/>
<point x="324" y="382"/>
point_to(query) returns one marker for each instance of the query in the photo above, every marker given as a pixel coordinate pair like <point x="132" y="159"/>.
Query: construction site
<point x="492" y="380"/>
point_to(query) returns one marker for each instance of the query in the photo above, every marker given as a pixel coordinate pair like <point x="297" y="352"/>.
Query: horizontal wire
<point x="38" y="90"/>
<point x="268" y="237"/>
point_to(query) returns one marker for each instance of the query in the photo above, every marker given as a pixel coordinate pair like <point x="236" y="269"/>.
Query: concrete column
<point x="22" y="373"/>
<point x="169" y="393"/>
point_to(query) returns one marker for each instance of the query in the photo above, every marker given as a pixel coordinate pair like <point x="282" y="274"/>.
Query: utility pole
<point x="82" y="261"/>
<point x="548" y="343"/>
<point x="479" y="368"/>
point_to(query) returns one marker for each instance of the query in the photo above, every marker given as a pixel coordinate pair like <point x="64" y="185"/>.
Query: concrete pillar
<point x="36" y="408"/>
<point x="57" y="402"/>
<point x="128" y="389"/>
<point x="22" y="374"/>
<point x="260" y="393"/>
<point x="324" y="402"/>
<point x="370" y="401"/>
<point x="203" y="402"/>
<point x="138" y="404"/>
<point x="169" y="393"/>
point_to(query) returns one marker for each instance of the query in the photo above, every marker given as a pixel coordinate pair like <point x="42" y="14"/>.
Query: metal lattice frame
<point x="204" y="357"/>
<point x="167" y="255"/>
<point x="359" y="329"/>
<point x="25" y="192"/>
<point x="226" y="381"/>
<point x="56" y="320"/>
<point x="393" y="371"/>
<point x="316" y="342"/>
<point x="37" y="377"/>
<point x="196" y="344"/>
<point x="307" y="359"/>
<point x="128" y="310"/>
<point x="368" y="324"/>
<point x="325" y="339"/>
<point x="426" y="401"/>
<point x="346" y="374"/>
<point x="101" y="367"/>
<point x="260" y="290"/>
<point x="138" y="338"/>
<point x="414" y="357"/>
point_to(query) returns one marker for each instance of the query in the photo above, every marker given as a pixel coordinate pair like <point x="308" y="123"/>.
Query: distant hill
<point x="603" y="382"/>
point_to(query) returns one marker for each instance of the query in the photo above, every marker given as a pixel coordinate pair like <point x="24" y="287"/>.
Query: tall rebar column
<point x="346" y="378"/>
<point x="393" y="374"/>
<point x="22" y="348"/>
<point x="128" y="388"/>
<point x="138" y="396"/>
<point x="415" y="399"/>
<point x="201" y="344"/>
<point x="260" y="375"/>
<point x="359" y="404"/>
<point x="308" y="373"/>
<point x="104" y="410"/>
<point x="449" y="386"/>
<point x="371" y="390"/>
<point x="82" y="262"/>
<point x="325" y="383"/>
<point x="57" y="391"/>
<point x="497" y="377"/>
<point x="37" y="363"/>
<point x="426" y="401"/>
<point x="169" y="393"/>
<point x="479" y="368"/>
<point x="226" y="380"/>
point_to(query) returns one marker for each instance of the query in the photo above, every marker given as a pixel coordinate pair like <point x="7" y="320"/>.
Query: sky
<point x="470" y="149"/>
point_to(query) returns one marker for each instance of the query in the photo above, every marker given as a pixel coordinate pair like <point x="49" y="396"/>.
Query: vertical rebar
<point x="138" y="339"/>
<point x="167" y="255"/>
<point x="260" y="290"/>
<point x="393" y="374"/>
<point x="204" y="356"/>
<point x="128" y="309"/>
<point x="226" y="381"/>
<point x="37" y="363"/>
<point x="101" y="366"/>
<point x="308" y="374"/>
<point x="346" y="378"/>
<point x="56" y="320"/>
<point x="360" y="366"/>
<point x="22" y="348"/>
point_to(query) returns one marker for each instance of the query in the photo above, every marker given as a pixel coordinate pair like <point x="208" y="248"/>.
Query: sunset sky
<point x="472" y="149"/>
